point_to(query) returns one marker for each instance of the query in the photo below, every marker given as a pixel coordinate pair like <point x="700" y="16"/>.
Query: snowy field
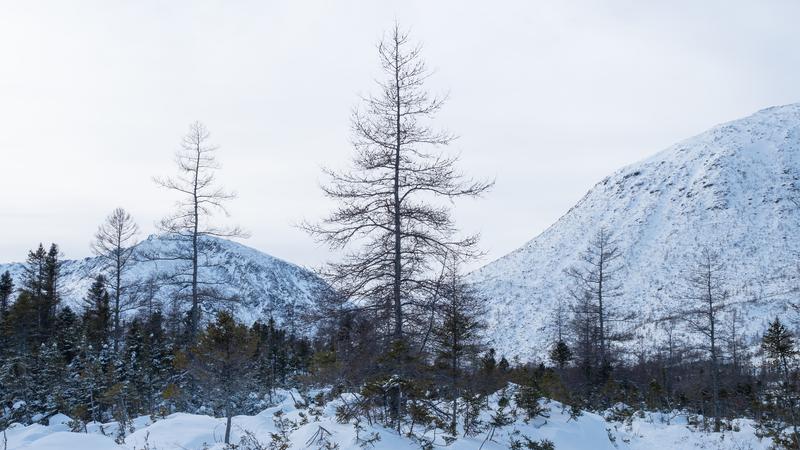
<point x="307" y="428"/>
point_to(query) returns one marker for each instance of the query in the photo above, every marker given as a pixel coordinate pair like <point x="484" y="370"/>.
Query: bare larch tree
<point x="596" y="287"/>
<point x="114" y="244"/>
<point x="191" y="221"/>
<point x="705" y="299"/>
<point x="387" y="201"/>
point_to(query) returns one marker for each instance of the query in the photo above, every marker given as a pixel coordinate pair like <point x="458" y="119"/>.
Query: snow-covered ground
<point x="588" y="431"/>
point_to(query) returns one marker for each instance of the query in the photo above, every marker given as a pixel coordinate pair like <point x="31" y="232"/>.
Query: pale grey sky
<point x="548" y="98"/>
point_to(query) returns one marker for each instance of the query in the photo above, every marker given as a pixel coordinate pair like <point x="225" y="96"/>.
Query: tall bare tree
<point x="114" y="244"/>
<point x="190" y="222"/>
<point x="560" y="353"/>
<point x="387" y="202"/>
<point x="595" y="290"/>
<point x="705" y="298"/>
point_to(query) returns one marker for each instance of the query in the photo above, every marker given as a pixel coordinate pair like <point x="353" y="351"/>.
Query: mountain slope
<point x="733" y="188"/>
<point x="264" y="286"/>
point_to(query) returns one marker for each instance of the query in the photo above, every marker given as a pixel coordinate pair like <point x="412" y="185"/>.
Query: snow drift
<point x="180" y="431"/>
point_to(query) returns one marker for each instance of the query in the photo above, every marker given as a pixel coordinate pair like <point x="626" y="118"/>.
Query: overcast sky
<point x="547" y="97"/>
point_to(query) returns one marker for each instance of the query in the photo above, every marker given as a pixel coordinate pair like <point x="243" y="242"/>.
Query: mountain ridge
<point x="264" y="285"/>
<point x="732" y="187"/>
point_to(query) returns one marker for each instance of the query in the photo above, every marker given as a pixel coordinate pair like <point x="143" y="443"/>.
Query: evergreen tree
<point x="560" y="354"/>
<point x="503" y="366"/>
<point x="527" y="398"/>
<point x="68" y="333"/>
<point x="34" y="280"/>
<point x="21" y="324"/>
<point x="97" y="314"/>
<point x="271" y="356"/>
<point x="47" y="375"/>
<point x="95" y="380"/>
<point x="85" y="383"/>
<point x="780" y="347"/>
<point x="6" y="289"/>
<point x="457" y="336"/>
<point x="52" y="273"/>
<point x="346" y="347"/>
<point x="148" y="360"/>
<point x="40" y="282"/>
<point x="17" y="393"/>
<point x="779" y="344"/>
<point x="34" y="272"/>
<point x="488" y="373"/>
<point x="119" y="395"/>
<point x="222" y="364"/>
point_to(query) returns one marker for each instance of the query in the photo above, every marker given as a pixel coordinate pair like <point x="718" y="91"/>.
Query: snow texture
<point x="638" y="431"/>
<point x="264" y="286"/>
<point x="733" y="188"/>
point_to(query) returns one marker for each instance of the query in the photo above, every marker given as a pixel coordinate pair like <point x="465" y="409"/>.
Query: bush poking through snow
<point x="283" y="427"/>
<point x="528" y="398"/>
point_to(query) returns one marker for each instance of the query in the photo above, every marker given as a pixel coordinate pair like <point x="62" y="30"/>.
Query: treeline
<point x="400" y="327"/>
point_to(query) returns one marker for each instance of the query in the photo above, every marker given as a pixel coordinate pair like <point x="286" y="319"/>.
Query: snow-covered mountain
<point x="264" y="286"/>
<point x="734" y="188"/>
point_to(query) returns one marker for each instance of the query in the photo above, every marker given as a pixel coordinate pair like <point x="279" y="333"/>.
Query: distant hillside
<point x="264" y="285"/>
<point x="733" y="188"/>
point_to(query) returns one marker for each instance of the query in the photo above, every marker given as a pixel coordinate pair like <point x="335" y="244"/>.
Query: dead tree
<point x="190" y="222"/>
<point x="387" y="208"/>
<point x="595" y="291"/>
<point x="114" y="244"/>
<point x="389" y="218"/>
<point x="736" y="344"/>
<point x="560" y="352"/>
<point x="705" y="298"/>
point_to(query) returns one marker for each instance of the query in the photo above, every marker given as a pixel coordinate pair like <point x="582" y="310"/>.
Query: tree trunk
<point x="118" y="283"/>
<point x="398" y="311"/>
<point x="790" y="400"/>
<point x="194" y="313"/>
<point x="454" y="422"/>
<point x="714" y="363"/>
<point x="398" y="307"/>
<point x="229" y="418"/>
<point x="601" y="317"/>
<point x="454" y="369"/>
<point x="455" y="395"/>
